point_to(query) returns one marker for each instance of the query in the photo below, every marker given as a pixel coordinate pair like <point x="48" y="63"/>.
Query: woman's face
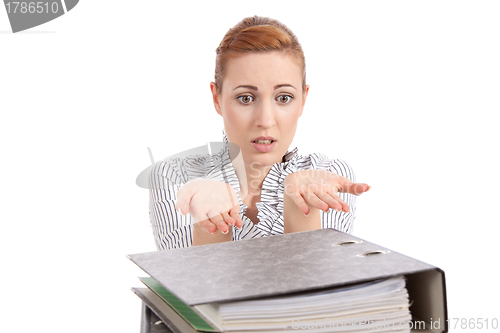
<point x="261" y="102"/>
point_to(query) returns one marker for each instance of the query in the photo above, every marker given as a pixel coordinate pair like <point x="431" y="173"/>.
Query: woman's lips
<point x="264" y="144"/>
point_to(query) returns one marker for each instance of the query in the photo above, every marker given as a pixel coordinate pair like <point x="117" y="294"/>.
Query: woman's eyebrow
<point x="248" y="87"/>
<point x="275" y="87"/>
<point x="284" y="85"/>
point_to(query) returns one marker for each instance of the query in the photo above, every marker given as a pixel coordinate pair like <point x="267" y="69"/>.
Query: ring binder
<point x="373" y="252"/>
<point x="302" y="262"/>
<point x="349" y="242"/>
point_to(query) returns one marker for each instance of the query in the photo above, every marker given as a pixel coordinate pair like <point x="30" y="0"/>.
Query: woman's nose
<point x="265" y="116"/>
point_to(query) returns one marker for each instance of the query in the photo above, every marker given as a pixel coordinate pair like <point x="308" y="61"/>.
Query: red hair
<point x="257" y="34"/>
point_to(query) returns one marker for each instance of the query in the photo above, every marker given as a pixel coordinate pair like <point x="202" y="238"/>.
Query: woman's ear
<point x="215" y="97"/>
<point x="304" y="96"/>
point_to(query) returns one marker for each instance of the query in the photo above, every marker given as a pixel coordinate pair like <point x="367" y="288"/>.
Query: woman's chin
<point x="266" y="159"/>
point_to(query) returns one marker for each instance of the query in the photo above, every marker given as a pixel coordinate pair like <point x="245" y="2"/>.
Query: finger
<point x="343" y="205"/>
<point x="235" y="214"/>
<point x="219" y="222"/>
<point x="207" y="226"/>
<point x="330" y="201"/>
<point x="354" y="188"/>
<point x="313" y="200"/>
<point x="228" y="219"/>
<point x="299" y="201"/>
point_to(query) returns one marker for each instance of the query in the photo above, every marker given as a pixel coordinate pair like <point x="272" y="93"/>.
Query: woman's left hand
<point x="319" y="188"/>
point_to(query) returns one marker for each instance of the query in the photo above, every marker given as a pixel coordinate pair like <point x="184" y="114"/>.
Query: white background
<point x="406" y="92"/>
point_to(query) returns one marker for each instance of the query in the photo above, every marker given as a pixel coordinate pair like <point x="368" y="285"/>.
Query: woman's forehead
<point x="264" y="69"/>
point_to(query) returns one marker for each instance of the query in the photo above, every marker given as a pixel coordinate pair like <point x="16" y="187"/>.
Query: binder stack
<point x="319" y="281"/>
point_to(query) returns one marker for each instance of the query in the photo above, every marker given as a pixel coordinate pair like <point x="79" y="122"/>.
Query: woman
<point x="263" y="189"/>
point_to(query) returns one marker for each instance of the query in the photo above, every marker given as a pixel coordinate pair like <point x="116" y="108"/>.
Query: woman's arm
<point x="295" y="220"/>
<point x="309" y="191"/>
<point x="207" y="202"/>
<point x="170" y="229"/>
<point x="214" y="207"/>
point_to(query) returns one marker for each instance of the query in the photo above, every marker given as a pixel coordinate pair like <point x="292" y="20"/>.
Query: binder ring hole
<point x="372" y="253"/>
<point x="348" y="242"/>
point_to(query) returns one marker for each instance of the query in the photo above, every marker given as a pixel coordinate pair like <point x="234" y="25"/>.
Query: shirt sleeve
<point x="341" y="221"/>
<point x="170" y="228"/>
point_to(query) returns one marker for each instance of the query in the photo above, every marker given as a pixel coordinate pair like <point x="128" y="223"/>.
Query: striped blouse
<point x="173" y="230"/>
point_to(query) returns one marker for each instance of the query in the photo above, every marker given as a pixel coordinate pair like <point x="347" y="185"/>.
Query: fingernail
<point x="215" y="232"/>
<point x="338" y="210"/>
<point x="225" y="233"/>
<point x="369" y="187"/>
<point x="306" y="215"/>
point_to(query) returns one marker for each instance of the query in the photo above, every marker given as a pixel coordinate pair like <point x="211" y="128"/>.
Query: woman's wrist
<point x="295" y="220"/>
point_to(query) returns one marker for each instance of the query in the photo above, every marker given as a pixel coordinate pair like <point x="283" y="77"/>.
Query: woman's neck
<point x="255" y="176"/>
<point x="250" y="176"/>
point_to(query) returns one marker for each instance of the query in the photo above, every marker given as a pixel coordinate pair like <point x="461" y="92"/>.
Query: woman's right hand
<point x="212" y="204"/>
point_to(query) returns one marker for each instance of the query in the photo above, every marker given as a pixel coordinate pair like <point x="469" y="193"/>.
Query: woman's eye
<point x="245" y="99"/>
<point x="284" y="99"/>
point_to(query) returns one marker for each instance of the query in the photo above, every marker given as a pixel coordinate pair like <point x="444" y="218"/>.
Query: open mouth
<point x="264" y="142"/>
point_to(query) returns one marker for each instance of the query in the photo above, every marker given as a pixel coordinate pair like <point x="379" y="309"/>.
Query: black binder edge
<point x="427" y="290"/>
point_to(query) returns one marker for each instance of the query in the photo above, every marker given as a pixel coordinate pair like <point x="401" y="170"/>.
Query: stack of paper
<point x="377" y="306"/>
